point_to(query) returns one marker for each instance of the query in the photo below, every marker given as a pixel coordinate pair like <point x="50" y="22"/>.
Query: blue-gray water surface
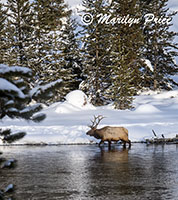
<point x="87" y="172"/>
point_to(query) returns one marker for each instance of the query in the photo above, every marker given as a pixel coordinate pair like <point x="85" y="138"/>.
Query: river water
<point x="87" y="172"/>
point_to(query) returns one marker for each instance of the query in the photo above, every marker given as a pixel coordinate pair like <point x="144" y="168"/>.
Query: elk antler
<point x="95" y="122"/>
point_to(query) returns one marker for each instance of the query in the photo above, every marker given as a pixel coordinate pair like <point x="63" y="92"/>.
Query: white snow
<point x="9" y="87"/>
<point x="67" y="122"/>
<point x="148" y="64"/>
<point x="75" y="101"/>
<point x="78" y="99"/>
<point x="147" y="108"/>
<point x="6" y="69"/>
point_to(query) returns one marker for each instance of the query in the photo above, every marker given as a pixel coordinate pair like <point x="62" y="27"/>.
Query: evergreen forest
<point x="110" y="62"/>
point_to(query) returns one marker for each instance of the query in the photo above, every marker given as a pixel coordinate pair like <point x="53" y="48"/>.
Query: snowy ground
<point x="67" y="122"/>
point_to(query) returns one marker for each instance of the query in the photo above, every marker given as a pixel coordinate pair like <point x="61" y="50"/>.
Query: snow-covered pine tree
<point x="15" y="101"/>
<point x="49" y="18"/>
<point x="160" y="48"/>
<point x="3" y="42"/>
<point x="31" y="43"/>
<point x="15" y="95"/>
<point x="126" y="47"/>
<point x="7" y="136"/>
<point x="122" y="88"/>
<point x="20" y="45"/>
<point x="19" y="31"/>
<point x="70" y="57"/>
<point x="95" y="54"/>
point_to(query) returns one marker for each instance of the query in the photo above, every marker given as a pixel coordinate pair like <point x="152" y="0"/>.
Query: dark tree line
<point x="106" y="61"/>
<point x="115" y="55"/>
<point x="41" y="35"/>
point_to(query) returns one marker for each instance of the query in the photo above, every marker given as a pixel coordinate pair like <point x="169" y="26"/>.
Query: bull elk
<point x="108" y="133"/>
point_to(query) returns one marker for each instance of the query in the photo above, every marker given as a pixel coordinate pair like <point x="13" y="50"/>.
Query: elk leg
<point x="129" y="144"/>
<point x="124" y="145"/>
<point x="109" y="144"/>
<point x="101" y="142"/>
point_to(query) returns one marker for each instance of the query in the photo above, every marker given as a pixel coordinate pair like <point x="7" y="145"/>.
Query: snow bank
<point x="75" y="101"/>
<point x="66" y="108"/>
<point x="77" y="98"/>
<point x="167" y="95"/>
<point x="67" y="122"/>
<point x="147" y="108"/>
<point x="52" y="134"/>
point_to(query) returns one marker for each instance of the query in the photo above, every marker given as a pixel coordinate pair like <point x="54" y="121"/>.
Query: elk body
<point x="108" y="133"/>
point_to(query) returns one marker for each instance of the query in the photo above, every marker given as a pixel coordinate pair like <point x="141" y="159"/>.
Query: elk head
<point x="93" y="126"/>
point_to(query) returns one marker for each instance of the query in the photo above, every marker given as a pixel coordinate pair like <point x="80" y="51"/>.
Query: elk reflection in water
<point x="115" y="155"/>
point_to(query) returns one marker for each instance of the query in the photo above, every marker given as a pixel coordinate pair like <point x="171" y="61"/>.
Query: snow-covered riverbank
<point x="66" y="122"/>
